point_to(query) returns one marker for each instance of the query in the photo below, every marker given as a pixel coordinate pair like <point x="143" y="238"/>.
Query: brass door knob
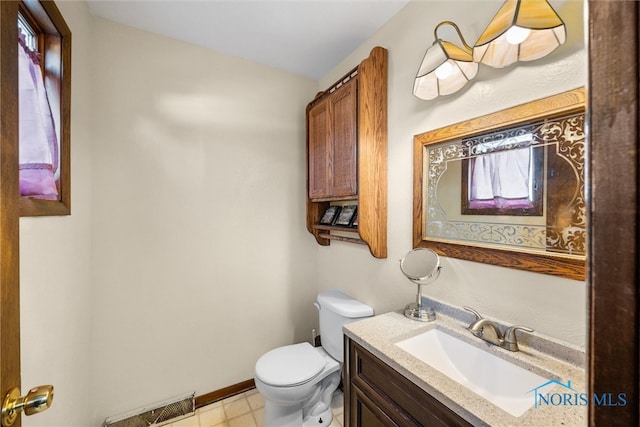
<point x="38" y="399"/>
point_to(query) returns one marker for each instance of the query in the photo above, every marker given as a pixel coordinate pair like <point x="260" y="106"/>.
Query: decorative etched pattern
<point x="565" y="234"/>
<point x="521" y="236"/>
<point x="506" y="139"/>
<point x="568" y="233"/>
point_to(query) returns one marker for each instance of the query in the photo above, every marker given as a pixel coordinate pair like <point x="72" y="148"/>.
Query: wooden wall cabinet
<point x="347" y="154"/>
<point x="375" y="395"/>
<point x="332" y="145"/>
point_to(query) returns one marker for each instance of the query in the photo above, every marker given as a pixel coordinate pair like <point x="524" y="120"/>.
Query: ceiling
<point x="305" y="37"/>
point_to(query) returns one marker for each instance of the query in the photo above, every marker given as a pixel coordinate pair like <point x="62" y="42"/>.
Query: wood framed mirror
<point x="507" y="188"/>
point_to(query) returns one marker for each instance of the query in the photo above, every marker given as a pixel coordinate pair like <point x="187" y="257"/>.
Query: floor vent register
<point x="157" y="414"/>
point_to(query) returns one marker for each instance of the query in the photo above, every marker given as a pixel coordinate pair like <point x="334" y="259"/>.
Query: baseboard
<point x="223" y="393"/>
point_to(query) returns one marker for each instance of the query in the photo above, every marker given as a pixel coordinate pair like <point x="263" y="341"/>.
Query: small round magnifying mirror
<point x="421" y="266"/>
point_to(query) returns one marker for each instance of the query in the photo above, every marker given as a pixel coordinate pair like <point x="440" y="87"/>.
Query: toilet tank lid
<point x="342" y="304"/>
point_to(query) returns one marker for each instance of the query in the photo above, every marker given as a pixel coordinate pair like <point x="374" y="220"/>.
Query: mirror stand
<point x="417" y="311"/>
<point x="421" y="266"/>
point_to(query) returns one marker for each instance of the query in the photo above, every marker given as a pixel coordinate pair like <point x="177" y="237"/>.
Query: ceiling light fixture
<point x="522" y="30"/>
<point x="446" y="67"/>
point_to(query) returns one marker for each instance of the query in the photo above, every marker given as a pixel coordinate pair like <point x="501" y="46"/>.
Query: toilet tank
<point x="338" y="309"/>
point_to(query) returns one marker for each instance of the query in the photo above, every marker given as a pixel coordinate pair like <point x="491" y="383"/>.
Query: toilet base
<point x="322" y="420"/>
<point x="280" y="416"/>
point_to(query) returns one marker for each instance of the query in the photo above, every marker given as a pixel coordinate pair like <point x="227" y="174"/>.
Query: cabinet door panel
<point x="319" y="152"/>
<point x="365" y="413"/>
<point x="344" y="137"/>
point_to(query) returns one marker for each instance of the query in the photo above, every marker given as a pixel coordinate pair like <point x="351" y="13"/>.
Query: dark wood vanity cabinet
<point x="377" y="395"/>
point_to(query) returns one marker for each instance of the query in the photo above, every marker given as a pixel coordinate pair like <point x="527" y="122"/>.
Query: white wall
<point x="201" y="259"/>
<point x="55" y="266"/>
<point x="551" y="305"/>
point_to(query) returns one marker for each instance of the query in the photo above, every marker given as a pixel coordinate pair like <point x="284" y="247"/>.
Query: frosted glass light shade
<point x="432" y="80"/>
<point x="505" y="40"/>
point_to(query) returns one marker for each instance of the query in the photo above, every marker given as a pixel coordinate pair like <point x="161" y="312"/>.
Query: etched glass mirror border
<point x="559" y="140"/>
<point x="552" y="243"/>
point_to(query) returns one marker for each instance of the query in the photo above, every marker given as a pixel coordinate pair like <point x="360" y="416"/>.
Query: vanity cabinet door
<point x="365" y="413"/>
<point x="377" y="395"/>
<point x="333" y="145"/>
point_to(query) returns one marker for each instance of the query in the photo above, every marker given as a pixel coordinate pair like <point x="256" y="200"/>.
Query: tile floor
<point x="245" y="410"/>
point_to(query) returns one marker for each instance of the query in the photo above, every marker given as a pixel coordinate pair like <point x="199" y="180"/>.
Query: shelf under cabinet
<point x="335" y="228"/>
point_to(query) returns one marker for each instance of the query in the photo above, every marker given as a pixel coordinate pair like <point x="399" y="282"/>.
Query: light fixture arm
<point x="453" y="24"/>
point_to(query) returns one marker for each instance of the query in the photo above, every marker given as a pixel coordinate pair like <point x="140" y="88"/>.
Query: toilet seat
<point x="290" y="365"/>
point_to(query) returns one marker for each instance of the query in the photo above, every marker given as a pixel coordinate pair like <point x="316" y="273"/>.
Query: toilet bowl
<point x="297" y="381"/>
<point x="294" y="379"/>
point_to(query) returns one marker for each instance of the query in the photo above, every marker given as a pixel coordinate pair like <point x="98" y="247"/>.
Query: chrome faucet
<point x="489" y="331"/>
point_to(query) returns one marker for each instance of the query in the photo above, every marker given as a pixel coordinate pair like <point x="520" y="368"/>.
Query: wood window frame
<point x="54" y="42"/>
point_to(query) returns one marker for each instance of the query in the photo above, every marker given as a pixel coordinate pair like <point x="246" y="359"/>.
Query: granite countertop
<point x="560" y="362"/>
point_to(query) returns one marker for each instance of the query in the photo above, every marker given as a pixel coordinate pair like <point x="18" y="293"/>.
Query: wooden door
<point x="344" y="140"/>
<point x="9" y="197"/>
<point x="37" y="399"/>
<point x="614" y="323"/>
<point x="318" y="149"/>
<point x="332" y="145"/>
<point x="364" y="413"/>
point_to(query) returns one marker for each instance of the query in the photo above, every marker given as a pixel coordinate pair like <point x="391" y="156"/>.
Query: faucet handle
<point x="471" y="310"/>
<point x="511" y="330"/>
<point x="510" y="339"/>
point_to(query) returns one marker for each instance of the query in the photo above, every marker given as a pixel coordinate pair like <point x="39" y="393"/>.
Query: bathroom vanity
<point x="386" y="385"/>
<point x="379" y="396"/>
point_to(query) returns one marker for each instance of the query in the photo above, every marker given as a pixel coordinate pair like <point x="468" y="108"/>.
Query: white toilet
<point x="297" y="381"/>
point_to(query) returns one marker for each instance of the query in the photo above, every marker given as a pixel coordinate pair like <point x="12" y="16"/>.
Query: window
<point x="45" y="168"/>
<point x="31" y="35"/>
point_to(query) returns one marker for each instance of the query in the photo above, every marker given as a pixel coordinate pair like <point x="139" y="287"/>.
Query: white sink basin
<point x="502" y="383"/>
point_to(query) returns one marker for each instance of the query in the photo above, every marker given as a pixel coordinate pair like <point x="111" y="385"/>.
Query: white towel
<point x="501" y="174"/>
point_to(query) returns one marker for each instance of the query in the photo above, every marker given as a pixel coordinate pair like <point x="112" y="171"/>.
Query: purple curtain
<point x="37" y="135"/>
